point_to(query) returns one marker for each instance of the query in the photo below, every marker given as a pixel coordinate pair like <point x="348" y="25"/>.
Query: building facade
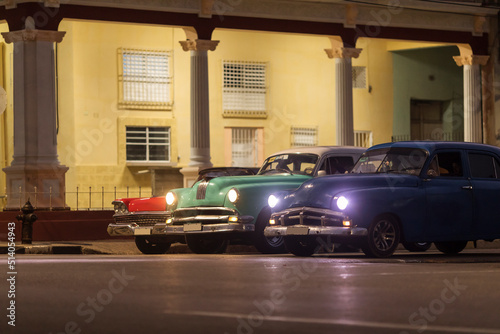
<point x="114" y="99"/>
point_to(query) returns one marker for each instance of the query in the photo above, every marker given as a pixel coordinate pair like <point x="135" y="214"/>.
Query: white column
<point x="473" y="123"/>
<point x="35" y="172"/>
<point x="343" y="93"/>
<point x="200" y="118"/>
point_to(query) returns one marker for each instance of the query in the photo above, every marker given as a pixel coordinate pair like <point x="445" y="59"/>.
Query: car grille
<point x="308" y="216"/>
<point x="142" y="219"/>
<point x="202" y="190"/>
<point x="201" y="212"/>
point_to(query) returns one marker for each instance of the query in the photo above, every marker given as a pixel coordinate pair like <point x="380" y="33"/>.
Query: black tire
<point x="148" y="246"/>
<point x="267" y="245"/>
<point x="451" y="247"/>
<point x="383" y="237"/>
<point x="417" y="246"/>
<point x="301" y="246"/>
<point x="207" y="244"/>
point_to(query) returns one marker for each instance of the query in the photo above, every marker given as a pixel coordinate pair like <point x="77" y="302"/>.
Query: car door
<point x="485" y="180"/>
<point x="449" y="209"/>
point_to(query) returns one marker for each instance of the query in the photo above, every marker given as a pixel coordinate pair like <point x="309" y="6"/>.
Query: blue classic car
<point x="235" y="208"/>
<point x="409" y="192"/>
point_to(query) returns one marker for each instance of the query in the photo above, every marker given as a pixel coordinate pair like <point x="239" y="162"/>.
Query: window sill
<point x="150" y="164"/>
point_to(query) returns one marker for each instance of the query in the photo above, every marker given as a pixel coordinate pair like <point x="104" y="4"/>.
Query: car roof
<point x="320" y="150"/>
<point x="434" y="145"/>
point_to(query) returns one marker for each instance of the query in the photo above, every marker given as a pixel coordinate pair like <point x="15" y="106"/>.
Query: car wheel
<point x="383" y="237"/>
<point x="267" y="245"/>
<point x="147" y="246"/>
<point x="417" y="246"/>
<point x="301" y="246"/>
<point x="451" y="247"/>
<point x="211" y="244"/>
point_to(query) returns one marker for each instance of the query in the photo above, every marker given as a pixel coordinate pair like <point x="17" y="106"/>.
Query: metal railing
<point x="82" y="198"/>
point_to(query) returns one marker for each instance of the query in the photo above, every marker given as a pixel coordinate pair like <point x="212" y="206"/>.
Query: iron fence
<point x="82" y="198"/>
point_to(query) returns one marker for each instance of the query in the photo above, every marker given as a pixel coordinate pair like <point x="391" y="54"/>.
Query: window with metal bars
<point x="363" y="138"/>
<point x="145" y="79"/>
<point x="244" y="89"/>
<point x="359" y="77"/>
<point x="302" y="136"/>
<point x="244" y="147"/>
<point x="147" y="144"/>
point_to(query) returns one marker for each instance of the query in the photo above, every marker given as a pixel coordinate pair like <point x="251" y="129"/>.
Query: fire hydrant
<point x="27" y="218"/>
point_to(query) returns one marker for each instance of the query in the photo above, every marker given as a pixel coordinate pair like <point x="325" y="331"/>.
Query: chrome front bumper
<point x="208" y="220"/>
<point x="208" y="228"/>
<point x="311" y="221"/>
<point x="133" y="229"/>
<point x="139" y="223"/>
<point x="274" y="231"/>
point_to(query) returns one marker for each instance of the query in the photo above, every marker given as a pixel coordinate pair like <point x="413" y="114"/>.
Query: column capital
<point x="33" y="35"/>
<point x="471" y="60"/>
<point x="199" y="45"/>
<point x="343" y="52"/>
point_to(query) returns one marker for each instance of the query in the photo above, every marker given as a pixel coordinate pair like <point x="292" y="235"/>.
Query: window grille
<point x="359" y="77"/>
<point x="244" y="89"/>
<point x="148" y="144"/>
<point x="145" y="79"/>
<point x="363" y="138"/>
<point x="304" y="136"/>
<point x="244" y="147"/>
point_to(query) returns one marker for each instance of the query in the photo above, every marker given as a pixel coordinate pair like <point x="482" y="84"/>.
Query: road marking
<point x="341" y="322"/>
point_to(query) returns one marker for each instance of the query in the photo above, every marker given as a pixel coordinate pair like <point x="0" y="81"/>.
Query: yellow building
<point x="124" y="95"/>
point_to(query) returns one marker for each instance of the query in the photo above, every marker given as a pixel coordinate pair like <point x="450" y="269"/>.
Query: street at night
<point x="251" y="293"/>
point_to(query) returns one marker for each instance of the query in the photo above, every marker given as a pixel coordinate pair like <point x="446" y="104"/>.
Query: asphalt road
<point x="187" y="293"/>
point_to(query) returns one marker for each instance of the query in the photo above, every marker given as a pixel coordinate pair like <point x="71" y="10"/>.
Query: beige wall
<point x="301" y="92"/>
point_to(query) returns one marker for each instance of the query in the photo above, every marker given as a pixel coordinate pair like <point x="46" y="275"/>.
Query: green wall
<point x="427" y="74"/>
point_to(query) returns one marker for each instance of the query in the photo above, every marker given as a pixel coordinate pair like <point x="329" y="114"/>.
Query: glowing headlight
<point x="342" y="202"/>
<point x="272" y="201"/>
<point x="120" y="207"/>
<point x="170" y="198"/>
<point x="232" y="195"/>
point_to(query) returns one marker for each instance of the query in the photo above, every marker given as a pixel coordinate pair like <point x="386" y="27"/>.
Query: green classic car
<point x="235" y="208"/>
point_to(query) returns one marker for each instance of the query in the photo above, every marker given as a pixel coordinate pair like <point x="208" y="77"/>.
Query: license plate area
<point x="297" y="230"/>
<point x="192" y="227"/>
<point x="142" y="231"/>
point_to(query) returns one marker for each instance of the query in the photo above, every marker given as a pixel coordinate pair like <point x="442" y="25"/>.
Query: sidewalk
<point x="109" y="246"/>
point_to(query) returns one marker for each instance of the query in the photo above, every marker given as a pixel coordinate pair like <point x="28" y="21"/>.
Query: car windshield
<point x="391" y="160"/>
<point x="290" y="163"/>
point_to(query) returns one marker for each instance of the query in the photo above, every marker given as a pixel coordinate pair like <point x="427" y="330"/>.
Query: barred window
<point x="304" y="136"/>
<point x="363" y="138"/>
<point x="148" y="144"/>
<point x="145" y="79"/>
<point x="244" y="89"/>
<point x="359" y="77"/>
<point x="244" y="147"/>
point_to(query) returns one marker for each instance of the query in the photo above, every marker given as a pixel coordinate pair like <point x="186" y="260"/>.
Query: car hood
<point x="319" y="192"/>
<point x="213" y="192"/>
<point x="147" y="204"/>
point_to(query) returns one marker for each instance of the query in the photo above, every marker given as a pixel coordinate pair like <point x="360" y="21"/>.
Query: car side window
<point x="483" y="166"/>
<point x="337" y="165"/>
<point x="446" y="164"/>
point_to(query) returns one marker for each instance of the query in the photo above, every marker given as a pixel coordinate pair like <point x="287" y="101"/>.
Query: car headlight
<point x="120" y="207"/>
<point x="233" y="195"/>
<point x="342" y="203"/>
<point x="272" y="201"/>
<point x="170" y="198"/>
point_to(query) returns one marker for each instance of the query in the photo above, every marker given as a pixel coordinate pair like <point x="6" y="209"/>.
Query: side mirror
<point x="321" y="172"/>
